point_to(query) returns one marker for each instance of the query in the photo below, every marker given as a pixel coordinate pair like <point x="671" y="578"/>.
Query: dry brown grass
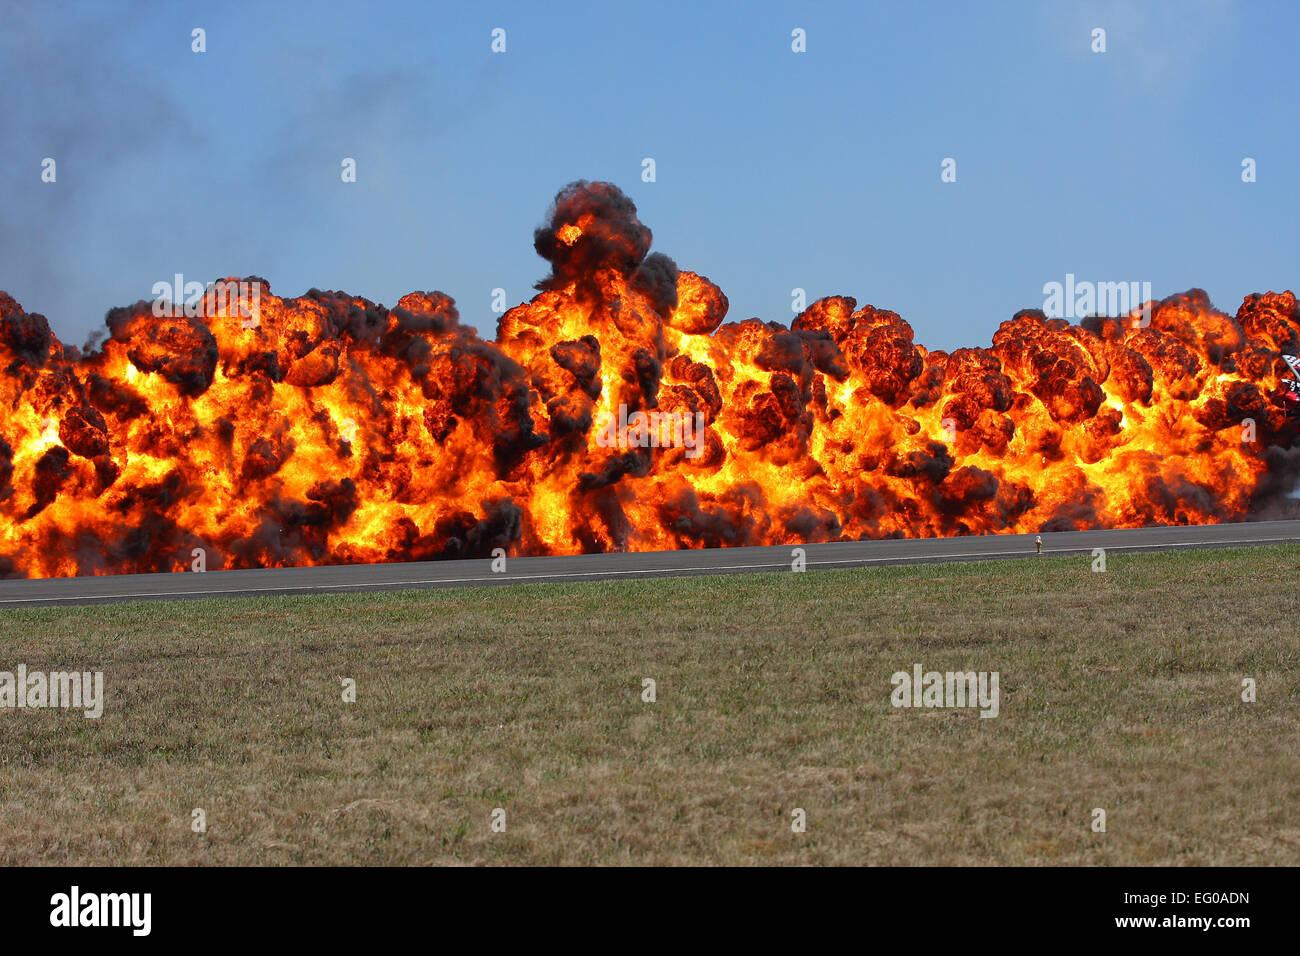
<point x="1119" y="690"/>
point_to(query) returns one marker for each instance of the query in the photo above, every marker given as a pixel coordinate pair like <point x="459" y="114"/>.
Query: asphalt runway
<point x="343" y="579"/>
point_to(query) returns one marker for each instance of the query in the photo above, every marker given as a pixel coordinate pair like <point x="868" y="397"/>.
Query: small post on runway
<point x="1038" y="541"/>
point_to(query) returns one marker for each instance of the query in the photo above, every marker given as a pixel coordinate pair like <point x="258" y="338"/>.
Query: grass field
<point x="1119" y="690"/>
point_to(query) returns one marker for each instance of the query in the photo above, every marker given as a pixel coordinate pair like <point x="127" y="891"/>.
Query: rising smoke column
<point x="339" y="431"/>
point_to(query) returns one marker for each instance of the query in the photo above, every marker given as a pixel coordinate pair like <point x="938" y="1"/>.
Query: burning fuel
<point x="334" y="430"/>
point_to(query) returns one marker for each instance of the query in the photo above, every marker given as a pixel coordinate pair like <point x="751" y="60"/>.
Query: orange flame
<point x="335" y="430"/>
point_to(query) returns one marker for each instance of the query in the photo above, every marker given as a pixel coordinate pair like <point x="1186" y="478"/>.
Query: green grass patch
<point x="1120" y="690"/>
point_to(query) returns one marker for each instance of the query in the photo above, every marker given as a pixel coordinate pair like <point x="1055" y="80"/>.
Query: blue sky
<point x="775" y="170"/>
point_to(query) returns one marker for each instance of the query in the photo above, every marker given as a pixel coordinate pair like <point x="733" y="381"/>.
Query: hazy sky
<point x="775" y="169"/>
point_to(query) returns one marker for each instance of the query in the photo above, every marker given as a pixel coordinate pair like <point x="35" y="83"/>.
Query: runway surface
<point x="595" y="567"/>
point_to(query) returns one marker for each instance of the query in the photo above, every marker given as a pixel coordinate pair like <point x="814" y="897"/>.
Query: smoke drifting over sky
<point x="775" y="170"/>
